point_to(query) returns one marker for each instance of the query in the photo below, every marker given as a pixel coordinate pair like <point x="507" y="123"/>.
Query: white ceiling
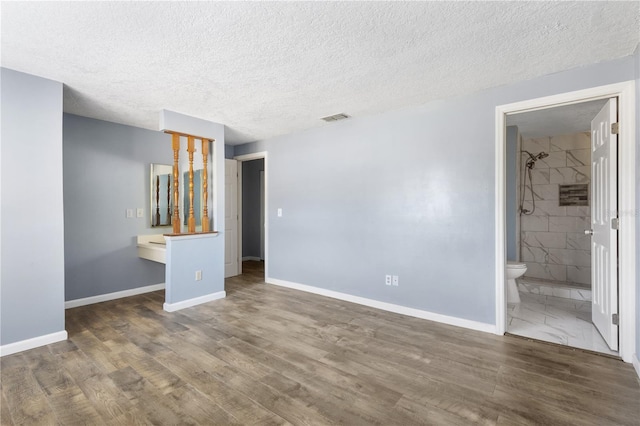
<point x="561" y="120"/>
<point x="265" y="69"/>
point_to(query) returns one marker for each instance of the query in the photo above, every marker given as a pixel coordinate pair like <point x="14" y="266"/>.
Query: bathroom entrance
<point x="553" y="202"/>
<point x="560" y="213"/>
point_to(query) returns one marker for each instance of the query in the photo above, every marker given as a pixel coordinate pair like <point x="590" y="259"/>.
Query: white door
<point x="604" y="240"/>
<point x="230" y="218"/>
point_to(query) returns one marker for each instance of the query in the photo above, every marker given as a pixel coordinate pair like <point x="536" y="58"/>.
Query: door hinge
<point x="615" y="223"/>
<point x="615" y="128"/>
<point x="614" y="319"/>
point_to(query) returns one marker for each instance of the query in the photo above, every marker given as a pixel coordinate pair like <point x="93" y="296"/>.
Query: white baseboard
<point x="636" y="364"/>
<point x="399" y="309"/>
<point x="172" y="307"/>
<point x="257" y="259"/>
<point x="112" y="296"/>
<point x="35" y="342"/>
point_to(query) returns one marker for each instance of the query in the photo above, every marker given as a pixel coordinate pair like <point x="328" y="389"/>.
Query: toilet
<point x="514" y="270"/>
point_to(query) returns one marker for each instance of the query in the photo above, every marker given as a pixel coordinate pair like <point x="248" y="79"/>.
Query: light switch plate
<point x="140" y="212"/>
<point x="129" y="213"/>
<point x="279" y="212"/>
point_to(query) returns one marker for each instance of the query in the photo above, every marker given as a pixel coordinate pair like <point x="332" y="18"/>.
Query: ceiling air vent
<point x="336" y="117"/>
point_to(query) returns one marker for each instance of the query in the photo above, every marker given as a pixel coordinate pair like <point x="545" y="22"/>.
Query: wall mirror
<point x="197" y="197"/>
<point x="161" y="187"/>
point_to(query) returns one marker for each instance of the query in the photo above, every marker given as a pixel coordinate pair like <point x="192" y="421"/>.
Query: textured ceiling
<point x="561" y="120"/>
<point x="265" y="69"/>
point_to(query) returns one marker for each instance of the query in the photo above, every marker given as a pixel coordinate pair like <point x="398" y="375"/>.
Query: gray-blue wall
<point x="511" y="191"/>
<point x="408" y="193"/>
<point x="32" y="254"/>
<point x="251" y="207"/>
<point x="106" y="171"/>
<point x="187" y="255"/>
<point x="229" y="151"/>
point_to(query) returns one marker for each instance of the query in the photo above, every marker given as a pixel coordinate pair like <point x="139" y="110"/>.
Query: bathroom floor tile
<point x="557" y="320"/>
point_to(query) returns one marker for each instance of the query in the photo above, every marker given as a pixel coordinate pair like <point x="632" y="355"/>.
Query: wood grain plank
<point x="156" y="407"/>
<point x="70" y="405"/>
<point x="27" y="402"/>
<point x="241" y="408"/>
<point x="5" y="415"/>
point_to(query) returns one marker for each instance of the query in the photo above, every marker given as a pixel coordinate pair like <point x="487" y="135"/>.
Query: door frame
<point x="241" y="159"/>
<point x="238" y="264"/>
<point x="625" y="92"/>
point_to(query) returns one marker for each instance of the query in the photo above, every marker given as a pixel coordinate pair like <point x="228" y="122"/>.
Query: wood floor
<point x="270" y="355"/>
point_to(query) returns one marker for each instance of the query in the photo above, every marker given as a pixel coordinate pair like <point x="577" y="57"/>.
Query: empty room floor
<point x="271" y="355"/>
<point x="556" y="320"/>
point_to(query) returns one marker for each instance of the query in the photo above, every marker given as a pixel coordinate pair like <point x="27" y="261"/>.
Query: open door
<point x="231" y="218"/>
<point x="604" y="234"/>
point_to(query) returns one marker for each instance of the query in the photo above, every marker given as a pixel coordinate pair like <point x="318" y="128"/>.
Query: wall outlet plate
<point x="387" y="279"/>
<point x="128" y="213"/>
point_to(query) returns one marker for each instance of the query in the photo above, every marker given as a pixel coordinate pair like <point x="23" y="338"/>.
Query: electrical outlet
<point x="198" y="275"/>
<point x="387" y="279"/>
<point x="129" y="213"/>
<point x="140" y="212"/>
<point x="395" y="280"/>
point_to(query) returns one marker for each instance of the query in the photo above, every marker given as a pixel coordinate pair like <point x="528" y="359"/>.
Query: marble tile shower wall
<point x="553" y="242"/>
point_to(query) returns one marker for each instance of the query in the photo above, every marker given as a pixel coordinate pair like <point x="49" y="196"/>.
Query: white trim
<point x="252" y="156"/>
<point x="112" y="296"/>
<point x="172" y="307"/>
<point x="636" y="364"/>
<point x="625" y="92"/>
<point x="241" y="159"/>
<point x="500" y="219"/>
<point x="35" y="342"/>
<point x="399" y="309"/>
<point x="256" y="258"/>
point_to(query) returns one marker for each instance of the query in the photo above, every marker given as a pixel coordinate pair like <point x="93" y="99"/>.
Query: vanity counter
<point x="152" y="247"/>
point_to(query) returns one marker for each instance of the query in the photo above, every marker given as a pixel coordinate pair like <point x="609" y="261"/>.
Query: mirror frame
<point x="157" y="170"/>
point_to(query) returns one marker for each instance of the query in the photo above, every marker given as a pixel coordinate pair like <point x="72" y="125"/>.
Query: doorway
<point x="252" y="183"/>
<point x="624" y="92"/>
<point x="550" y="197"/>
<point x="252" y="213"/>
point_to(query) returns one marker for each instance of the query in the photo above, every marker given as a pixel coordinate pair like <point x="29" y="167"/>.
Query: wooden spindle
<point x="157" y="201"/>
<point x="168" y="201"/>
<point x="175" y="220"/>
<point x="205" y="177"/>
<point x="191" y="223"/>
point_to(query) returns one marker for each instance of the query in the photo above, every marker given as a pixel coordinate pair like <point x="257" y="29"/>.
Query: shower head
<point x="542" y="155"/>
<point x="537" y="156"/>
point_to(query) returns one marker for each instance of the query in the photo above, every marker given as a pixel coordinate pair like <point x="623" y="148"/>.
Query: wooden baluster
<point x="168" y="201"/>
<point x="205" y="177"/>
<point x="191" y="224"/>
<point x="157" y="201"/>
<point x="175" y="220"/>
